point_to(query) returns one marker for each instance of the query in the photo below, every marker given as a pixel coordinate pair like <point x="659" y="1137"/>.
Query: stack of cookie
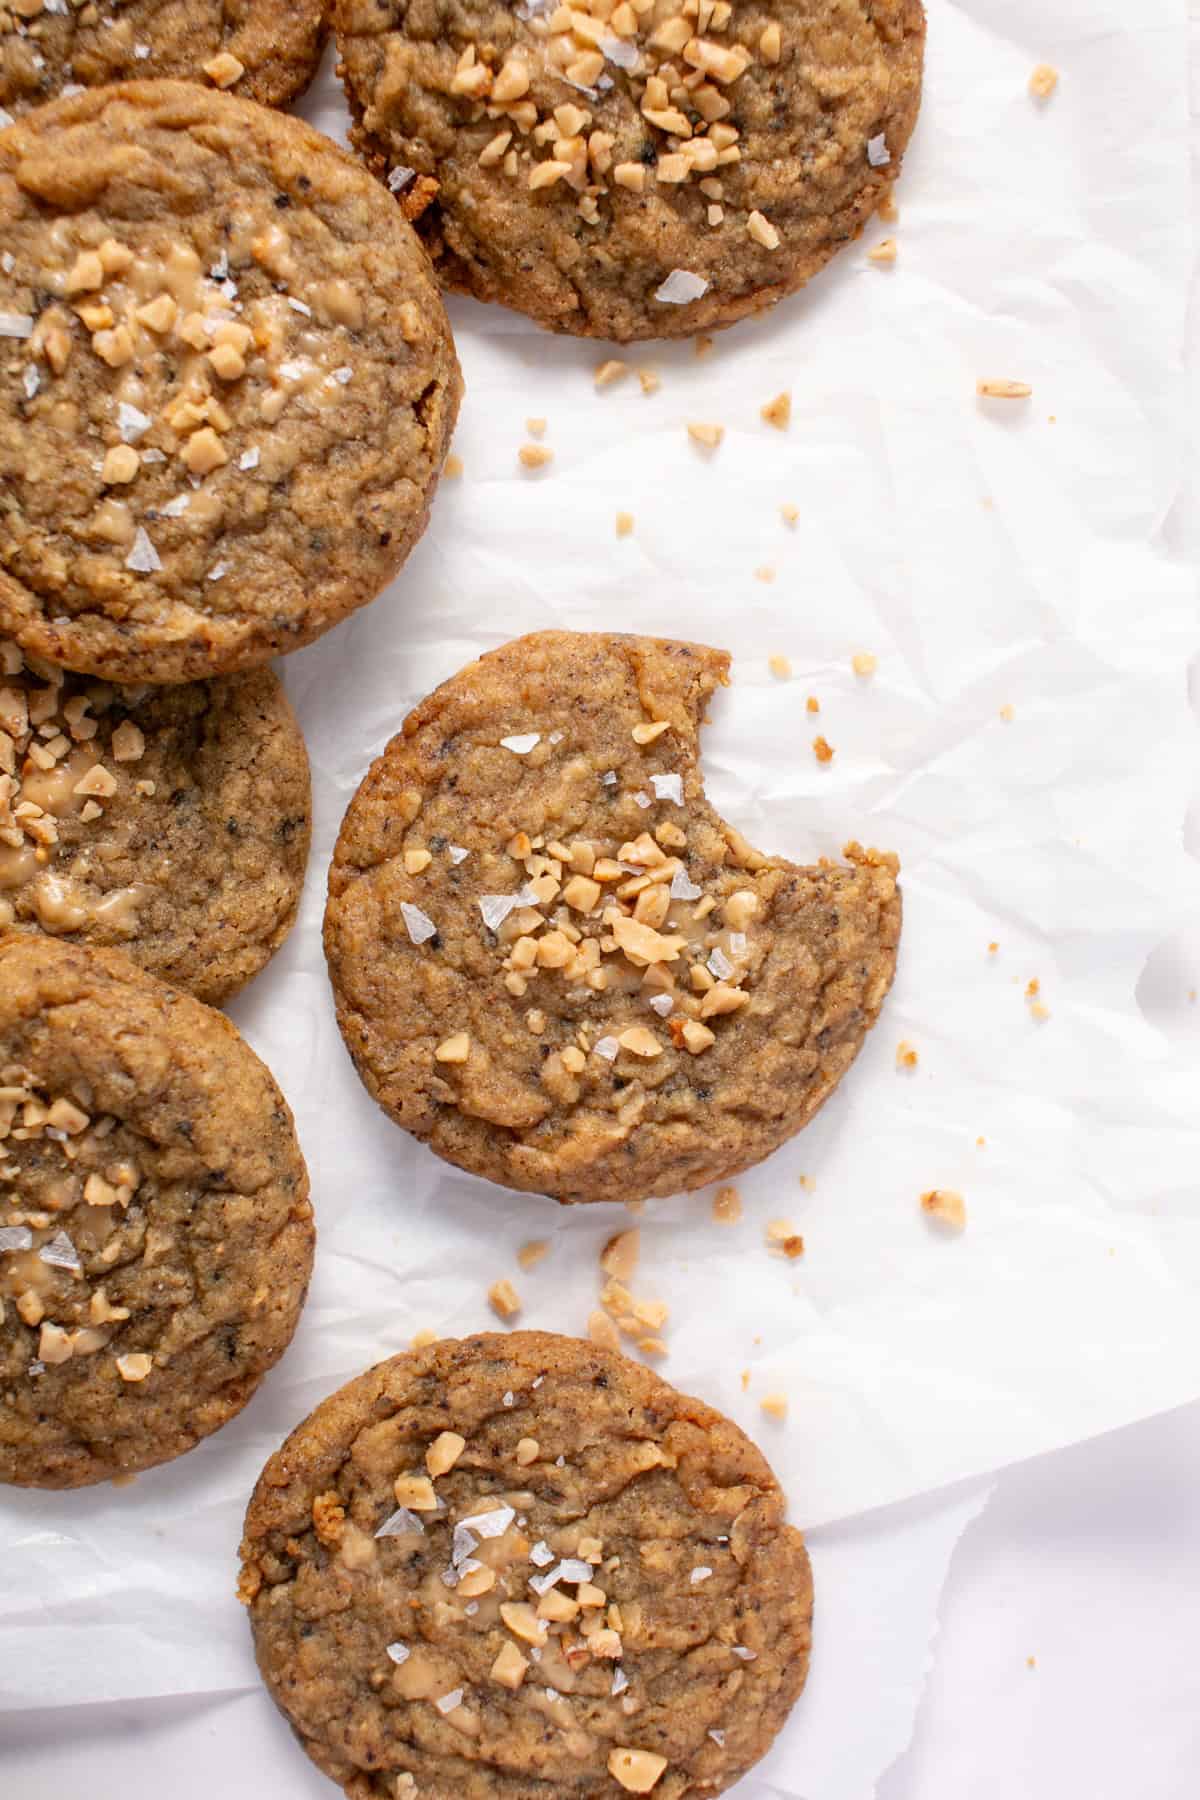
<point x="507" y="1566"/>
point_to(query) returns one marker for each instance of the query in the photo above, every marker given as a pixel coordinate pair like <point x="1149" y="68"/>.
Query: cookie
<point x="637" y="171"/>
<point x="556" y="965"/>
<point x="523" y="1568"/>
<point x="170" y="823"/>
<point x="229" y="389"/>
<point x="156" y="1236"/>
<point x="267" y="50"/>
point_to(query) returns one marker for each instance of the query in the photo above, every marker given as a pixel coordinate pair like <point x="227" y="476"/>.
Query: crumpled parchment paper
<point x="1025" y="745"/>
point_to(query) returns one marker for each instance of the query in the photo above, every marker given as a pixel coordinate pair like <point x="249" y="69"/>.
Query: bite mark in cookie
<point x="638" y="1001"/>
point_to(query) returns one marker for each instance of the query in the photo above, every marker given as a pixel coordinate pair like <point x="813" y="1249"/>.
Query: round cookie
<point x="268" y="50"/>
<point x="170" y="823"/>
<point x="552" y="960"/>
<point x="156" y="1236"/>
<point x="524" y="1568"/>
<point x="646" y="170"/>
<point x="230" y="384"/>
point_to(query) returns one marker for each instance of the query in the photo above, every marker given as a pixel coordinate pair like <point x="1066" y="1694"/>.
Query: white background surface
<point x="1087" y="1559"/>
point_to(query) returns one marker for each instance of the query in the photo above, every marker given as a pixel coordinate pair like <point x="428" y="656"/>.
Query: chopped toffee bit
<point x="602" y="1331"/>
<point x="707" y="436"/>
<point x="1008" y="712"/>
<point x="135" y="1366"/>
<point x="994" y="388"/>
<point x="764" y="572"/>
<point x="536" y="427"/>
<point x="528" y="1451"/>
<point x="784" y="1240"/>
<point x="760" y="228"/>
<point x="224" y="69"/>
<point x="887" y="210"/>
<point x="504" y="1300"/>
<point x="946" y="1207"/>
<point x="823" y="750"/>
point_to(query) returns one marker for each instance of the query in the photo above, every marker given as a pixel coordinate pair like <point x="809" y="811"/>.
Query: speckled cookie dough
<point x="556" y="965"/>
<point x="266" y="50"/>
<point x="523" y="1568"/>
<point x="643" y="169"/>
<point x="228" y="388"/>
<point x="170" y="823"/>
<point x="156" y="1236"/>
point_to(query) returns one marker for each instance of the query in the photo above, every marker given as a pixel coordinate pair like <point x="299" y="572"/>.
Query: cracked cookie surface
<point x="156" y="1235"/>
<point x="230" y="385"/>
<point x="570" y="160"/>
<point x="555" y="964"/>
<point x="170" y="823"/>
<point x="267" y="50"/>
<point x="524" y="1568"/>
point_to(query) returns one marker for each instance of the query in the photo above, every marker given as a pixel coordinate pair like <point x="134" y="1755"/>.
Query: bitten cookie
<point x="170" y="823"/>
<point x="523" y="1568"/>
<point x="266" y="50"/>
<point x="230" y="384"/>
<point x="636" y="170"/>
<point x="556" y="965"/>
<point x="156" y="1236"/>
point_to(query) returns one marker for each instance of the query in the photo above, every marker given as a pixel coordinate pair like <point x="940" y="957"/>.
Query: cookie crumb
<point x="534" y="456"/>
<point x="602" y="1331"/>
<point x="884" y="253"/>
<point x="329" y="1518"/>
<point x="822" y="749"/>
<point x="727" y="1206"/>
<point x="1031" y="1662"/>
<point x="775" y="1406"/>
<point x="778" y="412"/>
<point x="619" y="1257"/>
<point x="1043" y="81"/>
<point x="906" y="1055"/>
<point x="994" y="388"/>
<point x="504" y="1300"/>
<point x="452" y="468"/>
<point x="624" y="524"/>
<point x="707" y="436"/>
<point x="651" y="382"/>
<point x="947" y="1207"/>
<point x="703" y="345"/>
<point x="531" y="1254"/>
<point x="608" y="372"/>
<point x="780" y="667"/>
<point x="864" y="663"/>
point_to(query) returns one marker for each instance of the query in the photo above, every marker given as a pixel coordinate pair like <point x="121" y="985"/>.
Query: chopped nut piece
<point x="864" y="663"/>
<point x="545" y="174"/>
<point x="1008" y="713"/>
<point x="740" y="908"/>
<point x="528" y="1451"/>
<point x="649" y="730"/>
<point x="85" y="275"/>
<point x="557" y="1608"/>
<point x="523" y="1622"/>
<point x="159" y="314"/>
<point x="452" y="468"/>
<point x="112" y="347"/>
<point x="624" y="524"/>
<point x="707" y="436"/>
<point x="619" y="1257"/>
<point x="906" y="1055"/>
<point x="697" y="1037"/>
<point x="812" y="704"/>
<point x="572" y="1058"/>
<point x="529" y="1255"/>
<point x="121" y="465"/>
<point x="224" y="69"/>
<point x="534" y="456"/>
<point x="722" y="999"/>
<point x="947" y="1207"/>
<point x="631" y="175"/>
<point x="454" y="1049"/>
<point x="770" y="46"/>
<point x="762" y="231"/>
<point x="417" y="860"/>
<point x="415" y="1492"/>
<point x="54" y="1344"/>
<point x="638" y="1771"/>
<point x="887" y="210"/>
<point x="775" y="1406"/>
<point x="476" y="1582"/>
<point x="995" y="389"/>
<point x="778" y="412"/>
<point x="640" y="1042"/>
<point x="884" y="252"/>
<point x="134" y="1367"/>
<point x="444" y="1452"/>
<point x="504" y="1300"/>
<point x="1043" y="81"/>
<point x="823" y="750"/>
<point x="582" y="893"/>
<point x="204" y="451"/>
<point x="509" y="1667"/>
<point x="784" y="1240"/>
<point x="649" y="380"/>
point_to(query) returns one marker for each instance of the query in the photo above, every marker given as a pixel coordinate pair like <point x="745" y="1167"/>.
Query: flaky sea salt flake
<point x="131" y="422"/>
<point x="619" y="51"/>
<point x="401" y="1523"/>
<point x="681" y="287"/>
<point x="878" y="154"/>
<point x="399" y="178"/>
<point x="249" y="459"/>
<point x="19" y="1237"/>
<point x="720" y="964"/>
<point x="491" y="1524"/>
<point x="60" y="1253"/>
<point x="661" y="1004"/>
<point x="398" y="1652"/>
<point x="143" y="558"/>
<point x="522" y="743"/>
<point x="449" y="1702"/>
<point x="496" y="908"/>
<point x="541" y="1556"/>
<point x="607" y="1047"/>
<point x="15" y="325"/>
<point x="668" y="787"/>
<point x="682" y="888"/>
<point x="456" y="853"/>
<point x="419" y="925"/>
<point x="619" y="1683"/>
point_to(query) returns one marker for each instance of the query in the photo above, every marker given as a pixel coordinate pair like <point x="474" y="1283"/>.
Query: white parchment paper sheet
<point x="989" y="558"/>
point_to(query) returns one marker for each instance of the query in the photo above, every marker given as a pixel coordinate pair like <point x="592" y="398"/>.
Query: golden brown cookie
<point x="229" y="388"/>
<point x="156" y="1236"/>
<point x="523" y="1568"/>
<point x="640" y="170"/>
<point x="170" y="823"/>
<point x="556" y="965"/>
<point x="265" y="50"/>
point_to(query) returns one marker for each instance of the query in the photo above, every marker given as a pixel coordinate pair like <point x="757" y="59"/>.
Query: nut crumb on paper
<point x="884" y="254"/>
<point x="624" y="524"/>
<point x="1043" y="81"/>
<point x="864" y="663"/>
<point x="906" y="1055"/>
<point x="504" y="1300"/>
<point x="707" y="436"/>
<point x="727" y="1206"/>
<point x="765" y="572"/>
<point x="775" y="1406"/>
<point x="780" y="667"/>
<point x="946" y="1207"/>
<point x="531" y="1254"/>
<point x="823" y="750"/>
<point x="534" y="456"/>
<point x="996" y="388"/>
<point x="789" y="513"/>
<point x="778" y="412"/>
